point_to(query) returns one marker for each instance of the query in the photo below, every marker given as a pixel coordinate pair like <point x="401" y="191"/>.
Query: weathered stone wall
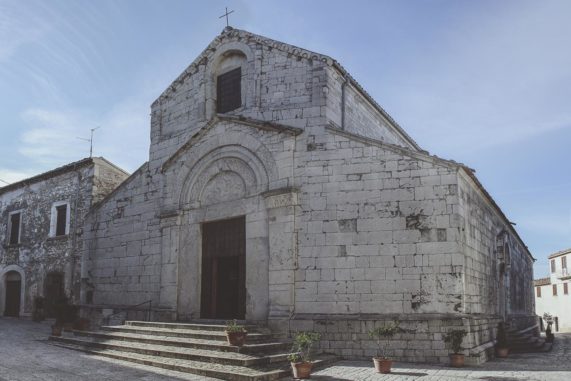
<point x="349" y="109"/>
<point x="121" y="252"/>
<point x="422" y="339"/>
<point x="377" y="230"/>
<point x="280" y="83"/>
<point x="38" y="253"/>
<point x="493" y="284"/>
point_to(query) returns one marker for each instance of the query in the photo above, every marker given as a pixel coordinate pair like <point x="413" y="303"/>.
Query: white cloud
<point x="17" y="28"/>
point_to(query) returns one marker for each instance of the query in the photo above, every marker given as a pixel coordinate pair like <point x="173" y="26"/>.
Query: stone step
<point x="253" y="337"/>
<point x="192" y="326"/>
<point x="223" y="372"/>
<point x="215" y="345"/>
<point x="169" y="351"/>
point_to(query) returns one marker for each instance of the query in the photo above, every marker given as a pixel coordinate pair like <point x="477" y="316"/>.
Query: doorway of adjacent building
<point x="13" y="292"/>
<point x="53" y="292"/>
<point x="224" y="269"/>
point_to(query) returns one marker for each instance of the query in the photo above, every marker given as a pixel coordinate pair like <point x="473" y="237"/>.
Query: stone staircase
<point x="198" y="348"/>
<point x="527" y="340"/>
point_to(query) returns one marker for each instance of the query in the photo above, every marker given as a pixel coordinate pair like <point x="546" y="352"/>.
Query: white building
<point x="552" y="293"/>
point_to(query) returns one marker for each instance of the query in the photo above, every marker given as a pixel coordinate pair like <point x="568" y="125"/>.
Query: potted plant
<point x="502" y="348"/>
<point x="235" y="334"/>
<point x="455" y="338"/>
<point x="382" y="336"/>
<point x="300" y="358"/>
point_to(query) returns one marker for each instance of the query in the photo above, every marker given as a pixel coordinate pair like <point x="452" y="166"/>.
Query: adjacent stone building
<point x="41" y="228"/>
<point x="552" y="293"/>
<point x="279" y="192"/>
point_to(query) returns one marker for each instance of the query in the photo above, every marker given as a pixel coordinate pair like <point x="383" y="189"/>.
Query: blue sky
<point x="486" y="83"/>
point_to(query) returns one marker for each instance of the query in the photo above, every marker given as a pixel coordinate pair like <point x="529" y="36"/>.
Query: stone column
<point x="282" y="205"/>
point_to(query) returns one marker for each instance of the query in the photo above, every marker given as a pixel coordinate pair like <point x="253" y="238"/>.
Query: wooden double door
<point x="224" y="269"/>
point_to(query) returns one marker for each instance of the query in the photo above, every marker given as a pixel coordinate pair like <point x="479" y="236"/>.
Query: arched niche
<point x="12" y="273"/>
<point x="227" y="57"/>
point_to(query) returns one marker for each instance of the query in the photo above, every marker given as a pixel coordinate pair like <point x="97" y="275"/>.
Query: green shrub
<point x="232" y="326"/>
<point x="382" y="336"/>
<point x="302" y="344"/>
<point x="455" y="338"/>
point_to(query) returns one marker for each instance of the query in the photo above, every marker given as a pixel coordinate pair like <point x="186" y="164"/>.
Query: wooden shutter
<point x="228" y="90"/>
<point x="554" y="290"/>
<point x="538" y="288"/>
<point x="61" y="217"/>
<point x="565" y="289"/>
<point x="15" y="229"/>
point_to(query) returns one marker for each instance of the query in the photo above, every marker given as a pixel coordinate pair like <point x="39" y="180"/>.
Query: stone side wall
<point x="378" y="230"/>
<point x="356" y="114"/>
<point x="122" y="245"/>
<point x="106" y="177"/>
<point x="493" y="285"/>
<point x="422" y="339"/>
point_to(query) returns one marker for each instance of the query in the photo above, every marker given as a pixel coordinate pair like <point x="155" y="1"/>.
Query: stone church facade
<point x="279" y="192"/>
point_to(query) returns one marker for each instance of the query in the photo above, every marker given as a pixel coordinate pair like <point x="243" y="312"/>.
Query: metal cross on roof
<point x="226" y="15"/>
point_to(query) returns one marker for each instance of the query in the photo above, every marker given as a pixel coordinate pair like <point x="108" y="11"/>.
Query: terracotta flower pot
<point x="236" y="339"/>
<point x="382" y="365"/>
<point x="56" y="330"/>
<point x="457" y="360"/>
<point x="502" y="352"/>
<point x="301" y="370"/>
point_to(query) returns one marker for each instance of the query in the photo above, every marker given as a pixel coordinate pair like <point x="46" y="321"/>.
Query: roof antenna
<point x="90" y="140"/>
<point x="226" y="15"/>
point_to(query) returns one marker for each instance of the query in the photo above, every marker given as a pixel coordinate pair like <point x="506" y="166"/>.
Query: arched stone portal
<point x="222" y="203"/>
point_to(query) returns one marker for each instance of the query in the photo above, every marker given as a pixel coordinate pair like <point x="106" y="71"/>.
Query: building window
<point x="564" y="262"/>
<point x="228" y="91"/>
<point x="538" y="291"/>
<point x="15" y="227"/>
<point x="60" y="219"/>
<point x="554" y="290"/>
<point x="565" y="289"/>
<point x="553" y="265"/>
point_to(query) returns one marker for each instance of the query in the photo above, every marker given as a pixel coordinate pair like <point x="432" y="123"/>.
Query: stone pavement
<point x="25" y="354"/>
<point x="551" y="366"/>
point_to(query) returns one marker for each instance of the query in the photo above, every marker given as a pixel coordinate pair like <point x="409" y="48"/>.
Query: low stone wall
<point x="99" y="315"/>
<point x="422" y="341"/>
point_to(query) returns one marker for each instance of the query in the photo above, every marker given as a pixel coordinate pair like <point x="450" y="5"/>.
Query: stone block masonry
<point x="348" y="222"/>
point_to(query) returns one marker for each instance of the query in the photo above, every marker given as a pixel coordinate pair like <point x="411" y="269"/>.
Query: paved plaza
<point x="25" y="354"/>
